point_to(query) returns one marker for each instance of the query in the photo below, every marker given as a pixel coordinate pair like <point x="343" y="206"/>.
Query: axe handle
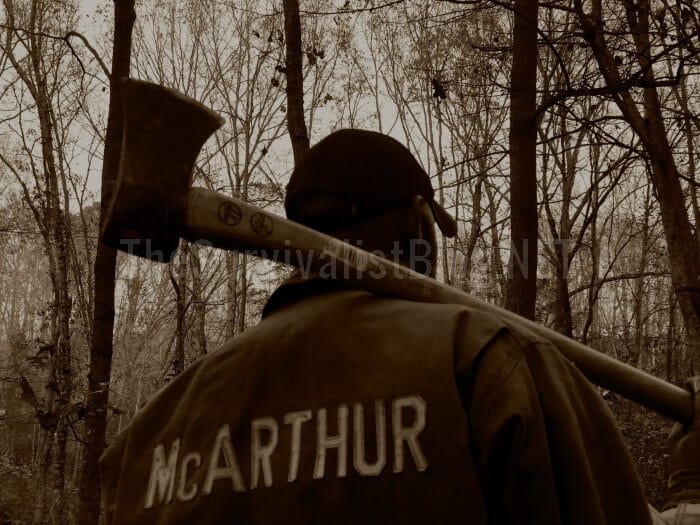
<point x="230" y="223"/>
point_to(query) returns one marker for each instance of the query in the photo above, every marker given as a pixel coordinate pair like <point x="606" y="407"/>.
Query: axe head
<point x="163" y="134"/>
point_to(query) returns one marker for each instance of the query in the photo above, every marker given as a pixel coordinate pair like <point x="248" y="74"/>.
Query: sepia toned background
<point x="566" y="148"/>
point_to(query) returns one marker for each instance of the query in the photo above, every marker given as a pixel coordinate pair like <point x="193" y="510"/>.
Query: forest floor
<point x="646" y="433"/>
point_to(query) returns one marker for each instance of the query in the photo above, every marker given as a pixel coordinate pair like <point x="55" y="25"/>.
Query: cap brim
<point x="447" y="224"/>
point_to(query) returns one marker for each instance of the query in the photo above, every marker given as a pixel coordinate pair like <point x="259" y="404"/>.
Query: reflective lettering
<point x="183" y="493"/>
<point x="181" y="474"/>
<point x="409" y="435"/>
<point x="230" y="468"/>
<point x="325" y="442"/>
<point x="296" y="419"/>
<point x="260" y="454"/>
<point x="162" y="477"/>
<point x="360" y="462"/>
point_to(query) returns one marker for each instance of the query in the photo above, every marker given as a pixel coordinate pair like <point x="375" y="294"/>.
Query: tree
<point x="295" y="79"/>
<point x="97" y="398"/>
<point x="522" y="265"/>
<point x="641" y="50"/>
<point x="44" y="67"/>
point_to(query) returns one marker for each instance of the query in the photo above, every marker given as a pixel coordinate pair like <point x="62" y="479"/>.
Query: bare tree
<point x="97" y="398"/>
<point x="34" y="45"/>
<point x="295" y="79"/>
<point x="522" y="266"/>
<point x="642" y="46"/>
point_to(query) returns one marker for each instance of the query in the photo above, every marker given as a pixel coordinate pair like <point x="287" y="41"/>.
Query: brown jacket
<point x="343" y="407"/>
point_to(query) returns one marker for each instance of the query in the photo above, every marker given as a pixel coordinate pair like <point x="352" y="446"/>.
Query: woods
<point x="563" y="136"/>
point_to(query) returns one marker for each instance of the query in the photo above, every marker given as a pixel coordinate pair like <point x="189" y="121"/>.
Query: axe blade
<point x="163" y="134"/>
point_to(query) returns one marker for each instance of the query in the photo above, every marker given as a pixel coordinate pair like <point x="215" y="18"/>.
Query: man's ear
<point x="423" y="228"/>
<point x="419" y="217"/>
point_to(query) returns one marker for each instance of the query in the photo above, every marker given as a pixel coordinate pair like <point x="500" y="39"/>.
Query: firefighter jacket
<point x="344" y="407"/>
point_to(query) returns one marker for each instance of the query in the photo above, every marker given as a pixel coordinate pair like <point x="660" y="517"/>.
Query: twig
<point x="350" y="11"/>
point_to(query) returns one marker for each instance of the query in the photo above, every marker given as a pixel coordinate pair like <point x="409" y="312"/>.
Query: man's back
<point x="342" y="407"/>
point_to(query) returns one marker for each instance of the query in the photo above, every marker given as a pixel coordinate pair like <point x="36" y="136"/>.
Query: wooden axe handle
<point x="230" y="223"/>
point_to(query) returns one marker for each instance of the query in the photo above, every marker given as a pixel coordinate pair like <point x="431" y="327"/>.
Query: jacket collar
<point x="297" y="288"/>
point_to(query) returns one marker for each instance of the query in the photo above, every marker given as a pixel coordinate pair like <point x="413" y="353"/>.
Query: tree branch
<point x="66" y="39"/>
<point x="350" y="11"/>
<point x="92" y="50"/>
<point x="621" y="277"/>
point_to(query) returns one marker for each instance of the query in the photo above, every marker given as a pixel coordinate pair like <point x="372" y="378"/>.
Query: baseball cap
<point x="364" y="173"/>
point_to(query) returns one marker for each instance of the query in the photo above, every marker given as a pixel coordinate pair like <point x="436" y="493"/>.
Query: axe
<point x="153" y="206"/>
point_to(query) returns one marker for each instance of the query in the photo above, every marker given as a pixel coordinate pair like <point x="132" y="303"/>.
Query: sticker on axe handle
<point x="261" y="224"/>
<point x="229" y="213"/>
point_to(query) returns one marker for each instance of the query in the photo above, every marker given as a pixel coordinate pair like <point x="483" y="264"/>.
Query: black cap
<point x="366" y="173"/>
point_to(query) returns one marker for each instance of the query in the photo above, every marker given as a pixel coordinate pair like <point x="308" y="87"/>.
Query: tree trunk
<point x="671" y="339"/>
<point x="295" y="79"/>
<point x="97" y="399"/>
<point x="45" y="459"/>
<point x="50" y="215"/>
<point x="232" y="266"/>
<point x="474" y="232"/>
<point x="683" y="249"/>
<point x="57" y="251"/>
<point x="591" y="324"/>
<point x="522" y="266"/>
<point x="498" y="287"/>
<point x="688" y="118"/>
<point x="179" y="282"/>
<point x="243" y="293"/>
<point x="198" y="304"/>
<point x="639" y="349"/>
<point x="563" y="321"/>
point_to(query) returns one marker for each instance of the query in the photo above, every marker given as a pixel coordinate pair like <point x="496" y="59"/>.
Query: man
<point x="344" y="407"/>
